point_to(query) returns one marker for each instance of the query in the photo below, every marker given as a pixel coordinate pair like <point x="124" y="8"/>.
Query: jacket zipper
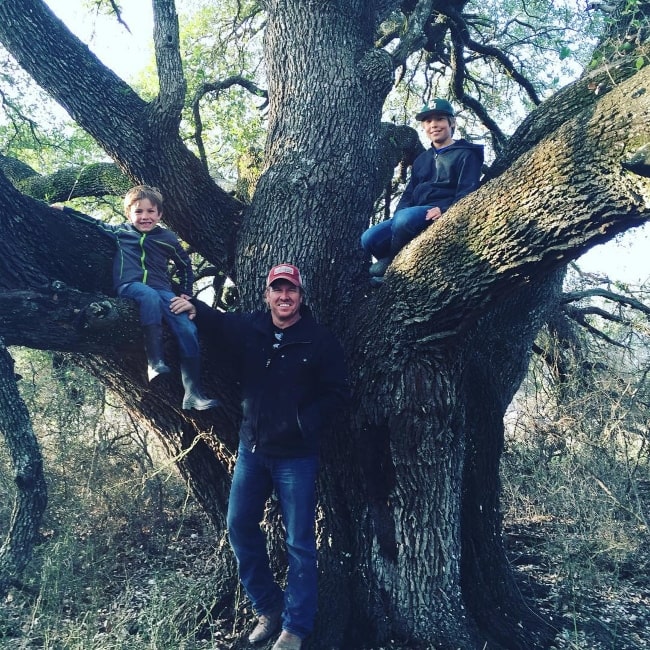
<point x="274" y="352"/>
<point x="143" y="255"/>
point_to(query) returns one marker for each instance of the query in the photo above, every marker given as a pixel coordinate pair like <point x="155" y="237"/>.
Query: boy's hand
<point x="180" y="304"/>
<point x="433" y="214"/>
<point x="58" y="206"/>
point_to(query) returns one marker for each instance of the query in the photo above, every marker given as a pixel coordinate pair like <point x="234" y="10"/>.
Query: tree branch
<point x="564" y="105"/>
<point x="460" y="27"/>
<point x="146" y="146"/>
<point x="217" y="87"/>
<point x="580" y="317"/>
<point x="458" y="84"/>
<point x="413" y="37"/>
<point x="597" y="311"/>
<point x="95" y="179"/>
<point x="15" y="170"/>
<point x="31" y="489"/>
<point x="599" y="292"/>
<point x="168" y="61"/>
<point x="61" y="318"/>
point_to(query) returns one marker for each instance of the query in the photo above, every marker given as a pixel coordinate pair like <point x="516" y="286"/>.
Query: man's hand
<point x="433" y="214"/>
<point x="180" y="304"/>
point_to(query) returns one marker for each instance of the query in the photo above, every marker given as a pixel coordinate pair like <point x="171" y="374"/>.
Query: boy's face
<point x="439" y="129"/>
<point x="144" y="215"/>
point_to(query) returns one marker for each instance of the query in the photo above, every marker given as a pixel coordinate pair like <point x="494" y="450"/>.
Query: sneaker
<point x="376" y="282"/>
<point x="379" y="267"/>
<point x="288" y="641"/>
<point x="267" y="626"/>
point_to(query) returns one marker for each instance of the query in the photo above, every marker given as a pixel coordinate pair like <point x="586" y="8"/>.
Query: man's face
<point x="439" y="129"/>
<point x="284" y="300"/>
<point x="144" y="215"/>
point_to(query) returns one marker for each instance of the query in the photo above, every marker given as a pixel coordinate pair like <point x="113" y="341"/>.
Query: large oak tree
<point x="409" y="519"/>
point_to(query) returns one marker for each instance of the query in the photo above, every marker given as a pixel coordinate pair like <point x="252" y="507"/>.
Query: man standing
<point x="440" y="176"/>
<point x="293" y="382"/>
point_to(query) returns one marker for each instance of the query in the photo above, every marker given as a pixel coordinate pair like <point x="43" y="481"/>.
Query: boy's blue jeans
<point x="387" y="238"/>
<point x="294" y="482"/>
<point x="154" y="308"/>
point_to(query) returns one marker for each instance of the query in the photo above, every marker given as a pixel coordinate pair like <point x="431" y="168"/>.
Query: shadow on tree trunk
<point x="497" y="362"/>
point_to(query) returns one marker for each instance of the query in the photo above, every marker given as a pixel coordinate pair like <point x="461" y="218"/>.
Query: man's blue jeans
<point x="154" y="308"/>
<point x="387" y="238"/>
<point x="294" y="482"/>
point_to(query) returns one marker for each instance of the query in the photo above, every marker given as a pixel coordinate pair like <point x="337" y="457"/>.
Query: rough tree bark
<point x="409" y="519"/>
<point x="31" y="490"/>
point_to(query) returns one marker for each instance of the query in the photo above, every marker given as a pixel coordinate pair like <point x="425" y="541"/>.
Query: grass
<point x="127" y="559"/>
<point x="576" y="471"/>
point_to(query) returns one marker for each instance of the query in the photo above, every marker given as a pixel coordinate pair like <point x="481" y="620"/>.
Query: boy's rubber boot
<point x="153" y="345"/>
<point x="379" y="267"/>
<point x="194" y="398"/>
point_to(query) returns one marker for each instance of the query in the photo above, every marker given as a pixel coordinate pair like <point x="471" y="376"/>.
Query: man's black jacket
<point x="292" y="389"/>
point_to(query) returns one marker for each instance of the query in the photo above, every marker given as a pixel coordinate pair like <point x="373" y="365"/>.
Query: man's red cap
<point x="284" y="272"/>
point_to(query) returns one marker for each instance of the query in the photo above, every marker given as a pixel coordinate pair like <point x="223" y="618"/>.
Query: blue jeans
<point x="154" y="308"/>
<point x="294" y="482"/>
<point x="387" y="238"/>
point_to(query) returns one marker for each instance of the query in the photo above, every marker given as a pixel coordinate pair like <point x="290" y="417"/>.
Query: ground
<point x="598" y="613"/>
<point x="613" y="615"/>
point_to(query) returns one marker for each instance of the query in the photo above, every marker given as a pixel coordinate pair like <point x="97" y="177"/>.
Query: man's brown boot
<point x="267" y="626"/>
<point x="288" y="641"/>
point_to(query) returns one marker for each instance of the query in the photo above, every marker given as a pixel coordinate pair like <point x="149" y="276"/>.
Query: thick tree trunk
<point x="441" y="369"/>
<point x="496" y="360"/>
<point x="324" y="134"/>
<point x="310" y="209"/>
